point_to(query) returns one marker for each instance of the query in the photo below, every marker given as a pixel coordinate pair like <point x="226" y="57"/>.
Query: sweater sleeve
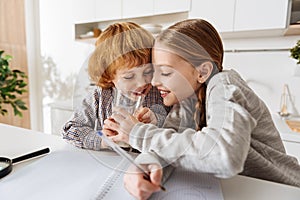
<point x="154" y="102"/>
<point x="221" y="148"/>
<point x="79" y="130"/>
<point x="152" y="158"/>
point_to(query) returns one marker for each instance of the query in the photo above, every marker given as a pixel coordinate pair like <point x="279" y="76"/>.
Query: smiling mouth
<point x="164" y="93"/>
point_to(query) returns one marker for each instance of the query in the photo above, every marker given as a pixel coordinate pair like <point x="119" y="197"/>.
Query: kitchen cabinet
<point x="290" y="139"/>
<point x="95" y="10"/>
<point x="292" y="148"/>
<point x="90" y="14"/>
<point x="141" y="8"/>
<point x="108" y="10"/>
<point x="242" y="15"/>
<point x="61" y="112"/>
<point x="83" y="10"/>
<point x="137" y="8"/>
<point x="260" y="14"/>
<point x="219" y="13"/>
<point x="171" y="6"/>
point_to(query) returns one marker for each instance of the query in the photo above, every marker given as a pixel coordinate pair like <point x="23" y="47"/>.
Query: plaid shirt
<point x="79" y="130"/>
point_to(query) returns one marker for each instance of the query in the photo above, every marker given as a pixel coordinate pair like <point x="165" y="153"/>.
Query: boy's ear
<point x="204" y="71"/>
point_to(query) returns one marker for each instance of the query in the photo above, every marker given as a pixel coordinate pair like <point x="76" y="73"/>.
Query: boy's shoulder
<point x="100" y="93"/>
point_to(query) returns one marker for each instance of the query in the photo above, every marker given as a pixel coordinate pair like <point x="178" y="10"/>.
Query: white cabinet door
<point x="83" y="10"/>
<point x="107" y="10"/>
<point x="293" y="149"/>
<point x="171" y="6"/>
<point x="219" y="13"/>
<point x="260" y="14"/>
<point x="137" y="8"/>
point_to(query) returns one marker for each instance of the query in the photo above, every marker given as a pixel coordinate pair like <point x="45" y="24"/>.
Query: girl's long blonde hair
<point x="196" y="41"/>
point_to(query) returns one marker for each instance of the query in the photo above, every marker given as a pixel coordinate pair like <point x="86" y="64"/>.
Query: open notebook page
<point x="189" y="185"/>
<point x="94" y="175"/>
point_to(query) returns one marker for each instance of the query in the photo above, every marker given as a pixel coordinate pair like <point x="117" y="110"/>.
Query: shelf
<point x="293" y="29"/>
<point x="90" y="41"/>
<point x="165" y="20"/>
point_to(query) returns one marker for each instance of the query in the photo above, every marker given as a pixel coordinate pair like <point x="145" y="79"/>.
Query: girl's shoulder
<point x="226" y="77"/>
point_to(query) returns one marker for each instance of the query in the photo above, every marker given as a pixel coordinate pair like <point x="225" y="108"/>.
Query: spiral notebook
<point x="95" y="175"/>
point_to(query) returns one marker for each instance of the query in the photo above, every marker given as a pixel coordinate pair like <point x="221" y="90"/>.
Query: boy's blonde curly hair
<point x="121" y="45"/>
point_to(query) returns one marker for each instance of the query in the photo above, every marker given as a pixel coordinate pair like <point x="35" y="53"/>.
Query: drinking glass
<point x="129" y="101"/>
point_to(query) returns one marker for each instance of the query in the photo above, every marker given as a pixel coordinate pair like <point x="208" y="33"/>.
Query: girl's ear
<point x="204" y="71"/>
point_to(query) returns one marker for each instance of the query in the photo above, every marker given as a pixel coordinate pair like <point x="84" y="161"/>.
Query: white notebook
<point x="95" y="175"/>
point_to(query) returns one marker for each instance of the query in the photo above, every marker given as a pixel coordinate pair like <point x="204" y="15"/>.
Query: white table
<point x="17" y="141"/>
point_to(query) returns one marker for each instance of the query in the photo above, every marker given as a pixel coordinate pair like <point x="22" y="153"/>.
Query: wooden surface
<point x="294" y="125"/>
<point x="13" y="42"/>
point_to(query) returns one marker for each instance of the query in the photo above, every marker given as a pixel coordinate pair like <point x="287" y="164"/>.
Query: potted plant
<point x="12" y="85"/>
<point x="295" y="53"/>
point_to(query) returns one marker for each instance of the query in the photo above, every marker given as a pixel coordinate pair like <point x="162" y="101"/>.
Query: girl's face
<point x="175" y="78"/>
<point x="135" y="81"/>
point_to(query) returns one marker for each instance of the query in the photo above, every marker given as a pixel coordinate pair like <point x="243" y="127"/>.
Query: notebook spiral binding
<point x="112" y="179"/>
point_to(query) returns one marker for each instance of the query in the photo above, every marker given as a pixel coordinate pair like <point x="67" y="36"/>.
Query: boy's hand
<point x="146" y="115"/>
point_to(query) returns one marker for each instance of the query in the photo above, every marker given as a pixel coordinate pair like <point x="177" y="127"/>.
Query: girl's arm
<point x="220" y="148"/>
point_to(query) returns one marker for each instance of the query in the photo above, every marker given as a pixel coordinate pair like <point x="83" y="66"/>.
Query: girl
<point x="122" y="60"/>
<point x="228" y="130"/>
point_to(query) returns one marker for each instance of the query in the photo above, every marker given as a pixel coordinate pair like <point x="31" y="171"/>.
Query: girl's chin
<point x="170" y="102"/>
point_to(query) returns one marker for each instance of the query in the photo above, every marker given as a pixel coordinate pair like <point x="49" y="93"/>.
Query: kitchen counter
<point x="291" y="139"/>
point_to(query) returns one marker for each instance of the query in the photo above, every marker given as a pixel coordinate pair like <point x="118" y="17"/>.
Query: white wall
<point x="267" y="71"/>
<point x="62" y="56"/>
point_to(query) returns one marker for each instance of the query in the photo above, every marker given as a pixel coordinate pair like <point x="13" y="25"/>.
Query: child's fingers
<point x="136" y="184"/>
<point x="156" y="174"/>
<point x="141" y="112"/>
<point x="108" y="132"/>
<point x="119" y="138"/>
<point x="144" y="115"/>
<point x="112" y="125"/>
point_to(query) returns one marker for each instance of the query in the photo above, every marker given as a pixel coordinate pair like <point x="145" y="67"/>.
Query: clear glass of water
<point x="129" y="101"/>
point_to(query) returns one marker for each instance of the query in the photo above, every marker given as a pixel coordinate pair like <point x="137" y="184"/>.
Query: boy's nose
<point x="141" y="82"/>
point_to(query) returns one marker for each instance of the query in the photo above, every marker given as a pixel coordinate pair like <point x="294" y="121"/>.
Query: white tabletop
<point x="17" y="141"/>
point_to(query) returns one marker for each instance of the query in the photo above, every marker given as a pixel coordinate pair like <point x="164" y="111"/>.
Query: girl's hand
<point x="140" y="188"/>
<point x="122" y="123"/>
<point x="146" y="115"/>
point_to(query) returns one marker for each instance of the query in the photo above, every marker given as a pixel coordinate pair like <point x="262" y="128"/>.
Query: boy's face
<point x="135" y="81"/>
<point x="174" y="77"/>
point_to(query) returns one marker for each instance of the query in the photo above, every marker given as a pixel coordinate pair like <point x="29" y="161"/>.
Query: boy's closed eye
<point x="128" y="76"/>
<point x="149" y="72"/>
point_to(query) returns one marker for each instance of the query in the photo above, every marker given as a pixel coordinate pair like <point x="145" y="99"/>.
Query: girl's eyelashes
<point x="166" y="74"/>
<point x="165" y="70"/>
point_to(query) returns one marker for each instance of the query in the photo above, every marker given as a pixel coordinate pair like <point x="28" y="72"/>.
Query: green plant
<point x="295" y="52"/>
<point x="12" y="85"/>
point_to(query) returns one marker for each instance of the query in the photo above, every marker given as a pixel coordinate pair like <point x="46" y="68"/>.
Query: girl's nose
<point x="155" y="81"/>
